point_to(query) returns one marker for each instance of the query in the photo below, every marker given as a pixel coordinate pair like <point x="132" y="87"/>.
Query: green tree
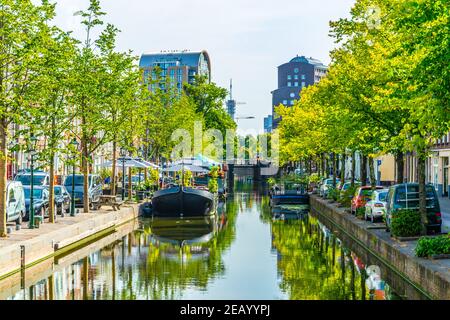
<point x="209" y="100"/>
<point x="23" y="37"/>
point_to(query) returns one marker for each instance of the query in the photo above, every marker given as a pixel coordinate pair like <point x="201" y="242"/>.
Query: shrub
<point x="429" y="246"/>
<point x="333" y="193"/>
<point x="406" y="223"/>
<point x="360" y="212"/>
<point x="314" y="178"/>
<point x="345" y="197"/>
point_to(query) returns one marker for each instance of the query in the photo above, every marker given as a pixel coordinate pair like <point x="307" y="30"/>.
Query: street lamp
<point x="32" y="152"/>
<point x="123" y="153"/>
<point x="74" y="143"/>
<point x="141" y="155"/>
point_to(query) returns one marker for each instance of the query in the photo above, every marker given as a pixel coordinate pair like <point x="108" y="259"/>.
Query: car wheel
<point x="436" y="230"/>
<point x="19" y="219"/>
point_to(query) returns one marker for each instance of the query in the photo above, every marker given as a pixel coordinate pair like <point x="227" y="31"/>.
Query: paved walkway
<point x="445" y="210"/>
<point x="44" y="241"/>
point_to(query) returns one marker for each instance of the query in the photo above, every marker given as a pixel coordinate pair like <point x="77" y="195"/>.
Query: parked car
<point x="347" y="186"/>
<point x="362" y="195"/>
<point x="376" y="206"/>
<point x="406" y="196"/>
<point x="325" y="187"/>
<point x="134" y="180"/>
<point x="15" y="202"/>
<point x="62" y="199"/>
<point x="40" y="178"/>
<point x="94" y="188"/>
<point x="40" y="201"/>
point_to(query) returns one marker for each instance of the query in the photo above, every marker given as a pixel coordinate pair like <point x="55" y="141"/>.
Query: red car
<point x="362" y="195"/>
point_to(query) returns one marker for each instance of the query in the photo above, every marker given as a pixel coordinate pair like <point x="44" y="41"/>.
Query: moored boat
<point x="182" y="201"/>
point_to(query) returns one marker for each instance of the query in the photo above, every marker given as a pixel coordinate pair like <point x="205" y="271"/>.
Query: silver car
<point x="15" y="202"/>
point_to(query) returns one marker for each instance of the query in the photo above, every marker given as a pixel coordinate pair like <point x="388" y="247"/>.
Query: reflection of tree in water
<point x="313" y="265"/>
<point x="169" y="268"/>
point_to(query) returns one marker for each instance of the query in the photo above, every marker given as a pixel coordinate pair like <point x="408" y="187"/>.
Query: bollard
<point x="18" y="227"/>
<point x="9" y="230"/>
<point x="22" y="267"/>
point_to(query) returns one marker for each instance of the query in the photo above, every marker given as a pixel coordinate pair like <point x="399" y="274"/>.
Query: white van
<point x="15" y="202"/>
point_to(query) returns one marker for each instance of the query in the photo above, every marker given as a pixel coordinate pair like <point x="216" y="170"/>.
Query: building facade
<point x="268" y="124"/>
<point x="178" y="67"/>
<point x="293" y="76"/>
<point x="438" y="166"/>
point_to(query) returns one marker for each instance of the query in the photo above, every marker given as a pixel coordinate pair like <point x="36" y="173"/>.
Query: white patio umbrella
<point x="190" y="167"/>
<point x="129" y="163"/>
<point x="148" y="164"/>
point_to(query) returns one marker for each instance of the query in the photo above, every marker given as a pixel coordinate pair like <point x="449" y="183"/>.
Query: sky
<point x="246" y="39"/>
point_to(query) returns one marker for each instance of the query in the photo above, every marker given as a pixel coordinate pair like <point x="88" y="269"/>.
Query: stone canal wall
<point x="431" y="277"/>
<point x="25" y="248"/>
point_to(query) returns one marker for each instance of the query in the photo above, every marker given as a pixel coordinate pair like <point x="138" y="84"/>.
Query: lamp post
<point x="74" y="143"/>
<point x="32" y="152"/>
<point x="123" y="153"/>
<point x="141" y="154"/>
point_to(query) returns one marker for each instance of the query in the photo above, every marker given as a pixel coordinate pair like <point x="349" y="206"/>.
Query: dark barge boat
<point x="182" y="201"/>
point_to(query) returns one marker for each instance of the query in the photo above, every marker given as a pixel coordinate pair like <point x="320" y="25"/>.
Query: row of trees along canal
<point x="386" y="92"/>
<point x="59" y="88"/>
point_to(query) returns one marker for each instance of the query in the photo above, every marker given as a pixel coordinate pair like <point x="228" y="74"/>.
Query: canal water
<point x="241" y="253"/>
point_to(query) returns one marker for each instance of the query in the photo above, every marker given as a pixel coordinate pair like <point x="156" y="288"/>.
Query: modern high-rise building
<point x="178" y="66"/>
<point x="268" y="124"/>
<point x="293" y="76"/>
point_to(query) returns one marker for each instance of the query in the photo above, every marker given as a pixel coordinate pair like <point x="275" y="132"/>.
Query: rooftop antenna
<point x="231" y="89"/>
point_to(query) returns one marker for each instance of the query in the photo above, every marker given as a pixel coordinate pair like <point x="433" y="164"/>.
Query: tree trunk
<point x="353" y="168"/>
<point x="51" y="191"/>
<point x="333" y="164"/>
<point x="318" y="168"/>
<point x="85" y="169"/>
<point x="322" y="159"/>
<point x="114" y="168"/>
<point x="129" y="184"/>
<point x="373" y="182"/>
<point x="3" y="176"/>
<point x="422" y="192"/>
<point x="399" y="161"/>
<point x="343" y="158"/>
<point x="363" y="170"/>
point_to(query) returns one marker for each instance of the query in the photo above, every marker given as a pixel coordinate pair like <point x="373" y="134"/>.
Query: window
<point x="296" y="70"/>
<point x="296" y="76"/>
<point x="285" y="102"/>
<point x="295" y="84"/>
<point x="289" y="84"/>
<point x="303" y="77"/>
<point x="292" y="102"/>
<point x="289" y="77"/>
<point x="292" y="95"/>
<point x="303" y="84"/>
<point x="11" y="195"/>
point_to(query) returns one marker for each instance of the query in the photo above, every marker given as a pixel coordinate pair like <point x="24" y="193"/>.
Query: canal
<point x="242" y="253"/>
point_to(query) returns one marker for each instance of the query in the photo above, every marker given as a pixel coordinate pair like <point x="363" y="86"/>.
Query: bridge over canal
<point x="257" y="169"/>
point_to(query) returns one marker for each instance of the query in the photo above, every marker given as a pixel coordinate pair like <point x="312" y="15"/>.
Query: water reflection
<point x="245" y="251"/>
